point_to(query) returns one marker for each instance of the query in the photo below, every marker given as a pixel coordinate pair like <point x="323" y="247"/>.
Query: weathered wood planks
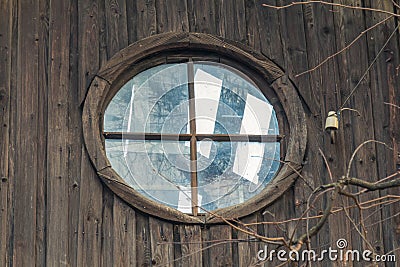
<point x="26" y="112"/>
<point x="6" y="11"/>
<point x="54" y="209"/>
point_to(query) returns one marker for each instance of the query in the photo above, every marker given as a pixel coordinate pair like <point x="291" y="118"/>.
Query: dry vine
<point x="339" y="187"/>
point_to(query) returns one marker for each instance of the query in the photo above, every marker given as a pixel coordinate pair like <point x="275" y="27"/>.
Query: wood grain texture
<point x="26" y="134"/>
<point x="162" y="236"/>
<point x="220" y="251"/>
<point x="253" y="25"/>
<point x="348" y="25"/>
<point x="131" y="20"/>
<point x="248" y="246"/>
<point x="294" y="47"/>
<point x="55" y="207"/>
<point x="190" y="245"/>
<point x="89" y="44"/>
<point x="324" y="96"/>
<point x="172" y="16"/>
<point x="5" y="99"/>
<point x="124" y="218"/>
<point x="90" y="216"/>
<point x="58" y="124"/>
<point x="232" y="29"/>
<point x="203" y="16"/>
<point x="384" y="128"/>
<point x="116" y="26"/>
<point x="146" y="18"/>
<point x="107" y="228"/>
<point x="43" y="89"/>
<point x="143" y="240"/>
<point x="75" y="139"/>
<point x="270" y="32"/>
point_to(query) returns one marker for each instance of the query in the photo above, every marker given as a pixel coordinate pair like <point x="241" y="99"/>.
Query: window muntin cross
<point x="193" y="134"/>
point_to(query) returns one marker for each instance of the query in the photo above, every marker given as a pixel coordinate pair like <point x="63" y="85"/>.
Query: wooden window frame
<point x="175" y="47"/>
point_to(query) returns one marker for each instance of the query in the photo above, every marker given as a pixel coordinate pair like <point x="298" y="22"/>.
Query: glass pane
<point x="233" y="172"/>
<point x="155" y="100"/>
<point x="157" y="169"/>
<point x="228" y="102"/>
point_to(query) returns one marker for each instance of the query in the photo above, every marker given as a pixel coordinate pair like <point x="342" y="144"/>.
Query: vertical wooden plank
<point x="281" y="210"/>
<point x="221" y="254"/>
<point x="58" y="96"/>
<point x="162" y="236"/>
<point x="90" y="214"/>
<point x="113" y="37"/>
<point x="124" y="234"/>
<point x="383" y="83"/>
<point x="41" y="205"/>
<point x="12" y="122"/>
<point x="270" y="35"/>
<point x="143" y="240"/>
<point x="110" y="17"/>
<point x="205" y="233"/>
<point x="191" y="245"/>
<point x="74" y="139"/>
<point x="357" y="129"/>
<point x="131" y="12"/>
<point x="294" y="46"/>
<point x="146" y="18"/>
<point x="232" y="23"/>
<point x="103" y="40"/>
<point x="89" y="39"/>
<point x="107" y="228"/>
<point x="247" y="251"/>
<point x="172" y="16"/>
<point x="116" y="26"/>
<point x="26" y="162"/>
<point x="253" y="24"/>
<point x="5" y="81"/>
<point x="323" y="96"/>
<point x="202" y="16"/>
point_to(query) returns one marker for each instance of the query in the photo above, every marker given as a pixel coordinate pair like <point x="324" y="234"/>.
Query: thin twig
<point x="393" y="105"/>
<point x="358" y="148"/>
<point x="369" y="67"/>
<point x="362" y="206"/>
<point x="343" y="49"/>
<point x="333" y="4"/>
<point x="379" y="181"/>
<point x="395" y="4"/>
<point x="351" y="109"/>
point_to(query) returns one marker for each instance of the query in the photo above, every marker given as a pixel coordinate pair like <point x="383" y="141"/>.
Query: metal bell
<point x="332" y="121"/>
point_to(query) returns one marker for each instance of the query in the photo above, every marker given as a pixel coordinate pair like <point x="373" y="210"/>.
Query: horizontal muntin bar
<point x="199" y="137"/>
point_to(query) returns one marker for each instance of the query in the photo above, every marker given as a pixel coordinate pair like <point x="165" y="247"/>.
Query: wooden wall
<point x="54" y="210"/>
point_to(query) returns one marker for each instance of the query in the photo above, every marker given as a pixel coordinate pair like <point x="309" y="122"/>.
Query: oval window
<point x="195" y="136"/>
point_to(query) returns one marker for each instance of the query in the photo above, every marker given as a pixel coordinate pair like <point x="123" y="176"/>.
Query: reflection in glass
<point x="226" y="102"/>
<point x="220" y="184"/>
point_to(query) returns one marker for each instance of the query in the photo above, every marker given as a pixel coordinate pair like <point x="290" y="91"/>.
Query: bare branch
<point x="316" y="228"/>
<point x="393" y="105"/>
<point x="372" y="186"/>
<point x="395" y="4"/>
<point x="333" y="4"/>
<point x="344" y="48"/>
<point x="358" y="148"/>
<point x="381" y="180"/>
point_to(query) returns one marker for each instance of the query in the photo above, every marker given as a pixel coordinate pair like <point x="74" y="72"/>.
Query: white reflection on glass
<point x="249" y="156"/>
<point x="185" y="200"/>
<point x="226" y="102"/>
